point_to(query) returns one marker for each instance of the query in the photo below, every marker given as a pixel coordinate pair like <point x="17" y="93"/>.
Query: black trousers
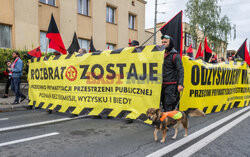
<point x="169" y="96"/>
<point x="7" y="86"/>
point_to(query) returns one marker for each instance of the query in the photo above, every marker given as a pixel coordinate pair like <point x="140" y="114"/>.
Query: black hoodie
<point x="173" y="70"/>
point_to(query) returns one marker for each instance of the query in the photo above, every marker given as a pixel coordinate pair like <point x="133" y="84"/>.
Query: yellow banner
<point x="214" y="87"/>
<point x="122" y="83"/>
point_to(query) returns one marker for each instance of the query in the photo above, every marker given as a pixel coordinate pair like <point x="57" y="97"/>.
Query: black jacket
<point x="173" y="70"/>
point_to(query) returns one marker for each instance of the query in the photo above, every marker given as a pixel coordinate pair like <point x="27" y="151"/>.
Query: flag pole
<point x="46" y="52"/>
<point x="150" y="37"/>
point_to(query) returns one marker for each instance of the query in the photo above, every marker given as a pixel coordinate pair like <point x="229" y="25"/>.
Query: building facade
<point x="188" y="40"/>
<point x="111" y="23"/>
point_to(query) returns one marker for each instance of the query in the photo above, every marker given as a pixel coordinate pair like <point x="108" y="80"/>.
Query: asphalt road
<point x="90" y="137"/>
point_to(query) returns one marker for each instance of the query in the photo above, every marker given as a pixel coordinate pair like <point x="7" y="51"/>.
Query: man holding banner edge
<point x="173" y="75"/>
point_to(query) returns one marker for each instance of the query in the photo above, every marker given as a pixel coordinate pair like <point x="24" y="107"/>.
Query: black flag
<point x="243" y="52"/>
<point x="207" y="51"/>
<point x="173" y="28"/>
<point x="91" y="46"/>
<point x="74" y="47"/>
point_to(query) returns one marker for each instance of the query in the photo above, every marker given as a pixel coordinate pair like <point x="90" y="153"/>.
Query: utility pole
<point x="155" y="22"/>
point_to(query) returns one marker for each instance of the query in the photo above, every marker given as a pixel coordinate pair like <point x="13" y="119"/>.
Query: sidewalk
<point x="6" y="104"/>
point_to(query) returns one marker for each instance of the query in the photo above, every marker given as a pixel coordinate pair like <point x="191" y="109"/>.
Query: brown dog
<point x="173" y="118"/>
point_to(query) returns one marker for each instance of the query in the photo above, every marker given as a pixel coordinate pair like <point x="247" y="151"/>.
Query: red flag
<point x="202" y="53"/>
<point x="190" y="51"/>
<point x="207" y="50"/>
<point x="129" y="42"/>
<point x="199" y="53"/>
<point x="173" y="28"/>
<point x="53" y="34"/>
<point x="243" y="52"/>
<point x="35" y="53"/>
<point x="108" y="47"/>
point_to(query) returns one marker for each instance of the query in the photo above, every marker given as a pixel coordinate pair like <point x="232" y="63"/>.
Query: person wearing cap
<point x="173" y="75"/>
<point x="134" y="43"/>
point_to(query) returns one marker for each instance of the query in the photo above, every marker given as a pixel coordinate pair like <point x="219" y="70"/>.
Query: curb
<point x="8" y="108"/>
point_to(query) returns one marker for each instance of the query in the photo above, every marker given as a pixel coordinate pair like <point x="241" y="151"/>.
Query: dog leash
<point x="177" y="105"/>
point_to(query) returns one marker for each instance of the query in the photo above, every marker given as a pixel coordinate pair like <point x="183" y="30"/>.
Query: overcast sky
<point x="237" y="11"/>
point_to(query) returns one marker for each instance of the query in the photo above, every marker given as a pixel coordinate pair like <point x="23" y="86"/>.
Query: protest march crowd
<point x="173" y="71"/>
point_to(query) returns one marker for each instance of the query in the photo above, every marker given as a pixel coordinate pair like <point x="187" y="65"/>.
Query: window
<point x="43" y="42"/>
<point x="83" y="7"/>
<point x="5" y="36"/>
<point x="110" y="14"/>
<point x="110" y="46"/>
<point x="50" y="2"/>
<point x="131" y="21"/>
<point x="84" y="44"/>
<point x="190" y="40"/>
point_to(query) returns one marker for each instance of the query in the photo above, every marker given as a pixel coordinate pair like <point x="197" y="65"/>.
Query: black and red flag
<point x="190" y="51"/>
<point x="173" y="28"/>
<point x="74" y="47"/>
<point x="34" y="53"/>
<point x="91" y="46"/>
<point x="202" y="53"/>
<point x="199" y="53"/>
<point x="243" y="52"/>
<point x="53" y="34"/>
<point x="207" y="51"/>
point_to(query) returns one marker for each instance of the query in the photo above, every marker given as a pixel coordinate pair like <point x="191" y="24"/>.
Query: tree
<point x="206" y="16"/>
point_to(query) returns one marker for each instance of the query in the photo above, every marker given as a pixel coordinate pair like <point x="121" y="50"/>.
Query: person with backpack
<point x="173" y="75"/>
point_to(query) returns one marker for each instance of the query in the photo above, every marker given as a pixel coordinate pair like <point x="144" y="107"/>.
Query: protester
<point x="9" y="77"/>
<point x="199" y="58"/>
<point x="135" y="43"/>
<point x="230" y="58"/>
<point x="56" y="53"/>
<point x="173" y="75"/>
<point x="213" y="60"/>
<point x="82" y="51"/>
<point x="221" y="60"/>
<point x="16" y="69"/>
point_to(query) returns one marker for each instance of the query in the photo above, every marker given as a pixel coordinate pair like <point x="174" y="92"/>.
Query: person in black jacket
<point x="173" y="75"/>
<point x="9" y="77"/>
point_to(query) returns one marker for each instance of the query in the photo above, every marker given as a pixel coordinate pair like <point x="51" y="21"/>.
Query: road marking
<point x="28" y="139"/>
<point x="38" y="123"/>
<point x="205" y="141"/>
<point x="1" y="119"/>
<point x="189" y="138"/>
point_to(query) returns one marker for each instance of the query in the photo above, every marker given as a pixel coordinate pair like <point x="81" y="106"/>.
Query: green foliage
<point x="206" y="15"/>
<point x="5" y="55"/>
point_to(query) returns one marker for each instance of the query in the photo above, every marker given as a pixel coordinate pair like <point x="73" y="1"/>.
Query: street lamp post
<point x="155" y="22"/>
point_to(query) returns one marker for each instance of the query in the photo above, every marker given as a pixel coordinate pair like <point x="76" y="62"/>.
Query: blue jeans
<point x="15" y="87"/>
